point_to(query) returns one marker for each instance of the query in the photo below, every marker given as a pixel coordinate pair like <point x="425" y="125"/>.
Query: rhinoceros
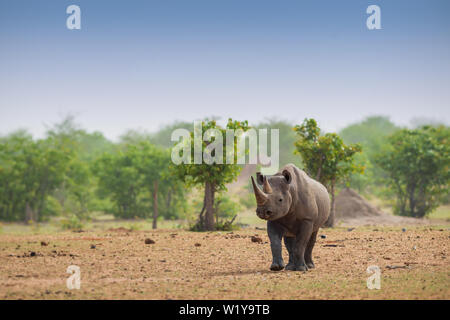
<point x="295" y="207"/>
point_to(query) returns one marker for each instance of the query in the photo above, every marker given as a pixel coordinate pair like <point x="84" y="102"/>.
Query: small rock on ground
<point x="256" y="239"/>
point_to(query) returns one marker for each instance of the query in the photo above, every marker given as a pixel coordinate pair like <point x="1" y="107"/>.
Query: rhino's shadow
<point x="240" y="273"/>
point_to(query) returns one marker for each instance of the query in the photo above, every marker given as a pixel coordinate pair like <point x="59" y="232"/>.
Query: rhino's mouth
<point x="264" y="214"/>
<point x="264" y="217"/>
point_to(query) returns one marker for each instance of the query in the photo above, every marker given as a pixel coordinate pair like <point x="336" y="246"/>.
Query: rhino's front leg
<point x="289" y="242"/>
<point x="301" y="242"/>
<point x="275" y="233"/>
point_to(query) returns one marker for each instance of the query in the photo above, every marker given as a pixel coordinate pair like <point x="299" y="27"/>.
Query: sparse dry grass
<point x="442" y="212"/>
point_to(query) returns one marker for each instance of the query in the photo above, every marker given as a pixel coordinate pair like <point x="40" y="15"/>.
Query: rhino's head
<point x="274" y="201"/>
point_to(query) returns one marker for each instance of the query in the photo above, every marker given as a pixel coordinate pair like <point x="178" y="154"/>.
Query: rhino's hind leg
<point x="308" y="253"/>
<point x="289" y="242"/>
<point x="275" y="234"/>
<point x="301" y="242"/>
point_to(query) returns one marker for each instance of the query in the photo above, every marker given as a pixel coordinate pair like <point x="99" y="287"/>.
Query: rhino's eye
<point x="280" y="200"/>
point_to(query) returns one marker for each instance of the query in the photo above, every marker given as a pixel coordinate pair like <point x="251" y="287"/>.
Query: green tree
<point x="79" y="184"/>
<point x="30" y="171"/>
<point x="213" y="177"/>
<point x="137" y="180"/>
<point x="326" y="157"/>
<point x="119" y="179"/>
<point x="416" y="163"/>
<point x="133" y="137"/>
<point x="76" y="190"/>
<point x="12" y="166"/>
<point x="162" y="137"/>
<point x="172" y="196"/>
<point x="287" y="139"/>
<point x="152" y="164"/>
<point x="361" y="181"/>
<point x="372" y="134"/>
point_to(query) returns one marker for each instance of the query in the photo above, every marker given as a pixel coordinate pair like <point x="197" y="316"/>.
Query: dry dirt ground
<point x="221" y="265"/>
<point x="385" y="219"/>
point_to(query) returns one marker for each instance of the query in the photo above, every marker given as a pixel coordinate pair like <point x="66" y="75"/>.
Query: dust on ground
<point x="177" y="264"/>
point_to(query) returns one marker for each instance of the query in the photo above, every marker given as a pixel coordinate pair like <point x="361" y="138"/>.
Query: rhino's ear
<point x="287" y="175"/>
<point x="259" y="178"/>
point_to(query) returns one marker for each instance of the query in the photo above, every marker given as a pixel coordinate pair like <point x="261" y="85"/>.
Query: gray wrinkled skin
<point x="295" y="207"/>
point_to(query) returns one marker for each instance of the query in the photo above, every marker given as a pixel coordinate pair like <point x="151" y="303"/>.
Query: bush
<point x="416" y="169"/>
<point x="227" y="226"/>
<point x="225" y="208"/>
<point x="52" y="208"/>
<point x="71" y="223"/>
<point x="225" y="212"/>
<point x="219" y="226"/>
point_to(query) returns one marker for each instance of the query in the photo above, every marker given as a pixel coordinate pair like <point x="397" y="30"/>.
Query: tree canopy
<point x="416" y="165"/>
<point x="326" y="157"/>
<point x="213" y="177"/>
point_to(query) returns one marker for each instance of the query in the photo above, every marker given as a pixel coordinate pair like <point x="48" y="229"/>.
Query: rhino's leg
<point x="301" y="242"/>
<point x="289" y="242"/>
<point x="275" y="234"/>
<point x="309" y="248"/>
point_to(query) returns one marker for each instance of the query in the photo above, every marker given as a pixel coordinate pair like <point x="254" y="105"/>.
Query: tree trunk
<point x="31" y="214"/>
<point x="36" y="215"/>
<point x="155" y="204"/>
<point x="62" y="200"/>
<point x="412" y="202"/>
<point x="330" y="222"/>
<point x="216" y="210"/>
<point x="319" y="171"/>
<point x="200" y="216"/>
<point x="209" y="206"/>
<point x="169" y="199"/>
<point x="28" y="213"/>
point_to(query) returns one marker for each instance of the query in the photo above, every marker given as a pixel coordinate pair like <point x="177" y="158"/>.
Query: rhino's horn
<point x="266" y="186"/>
<point x="260" y="196"/>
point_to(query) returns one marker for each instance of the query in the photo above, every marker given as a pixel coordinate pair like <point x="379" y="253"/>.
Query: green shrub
<point x="52" y="208"/>
<point x="71" y="223"/>
<point x="225" y="212"/>
<point x="415" y="165"/>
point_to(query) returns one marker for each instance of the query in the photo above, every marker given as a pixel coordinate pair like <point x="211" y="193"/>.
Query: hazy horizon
<point x="144" y="64"/>
<point x="221" y="121"/>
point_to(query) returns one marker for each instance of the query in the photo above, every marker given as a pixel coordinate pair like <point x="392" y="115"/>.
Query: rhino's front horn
<point x="266" y="186"/>
<point x="261" y="197"/>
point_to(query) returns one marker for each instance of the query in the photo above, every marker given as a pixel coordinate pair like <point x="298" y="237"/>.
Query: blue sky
<point x="142" y="64"/>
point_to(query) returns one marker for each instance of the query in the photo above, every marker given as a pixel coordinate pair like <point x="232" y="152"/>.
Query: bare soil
<point x="349" y="204"/>
<point x="353" y="209"/>
<point x="120" y="264"/>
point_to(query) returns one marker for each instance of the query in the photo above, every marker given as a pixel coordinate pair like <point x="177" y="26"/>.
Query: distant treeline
<point x="74" y="172"/>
